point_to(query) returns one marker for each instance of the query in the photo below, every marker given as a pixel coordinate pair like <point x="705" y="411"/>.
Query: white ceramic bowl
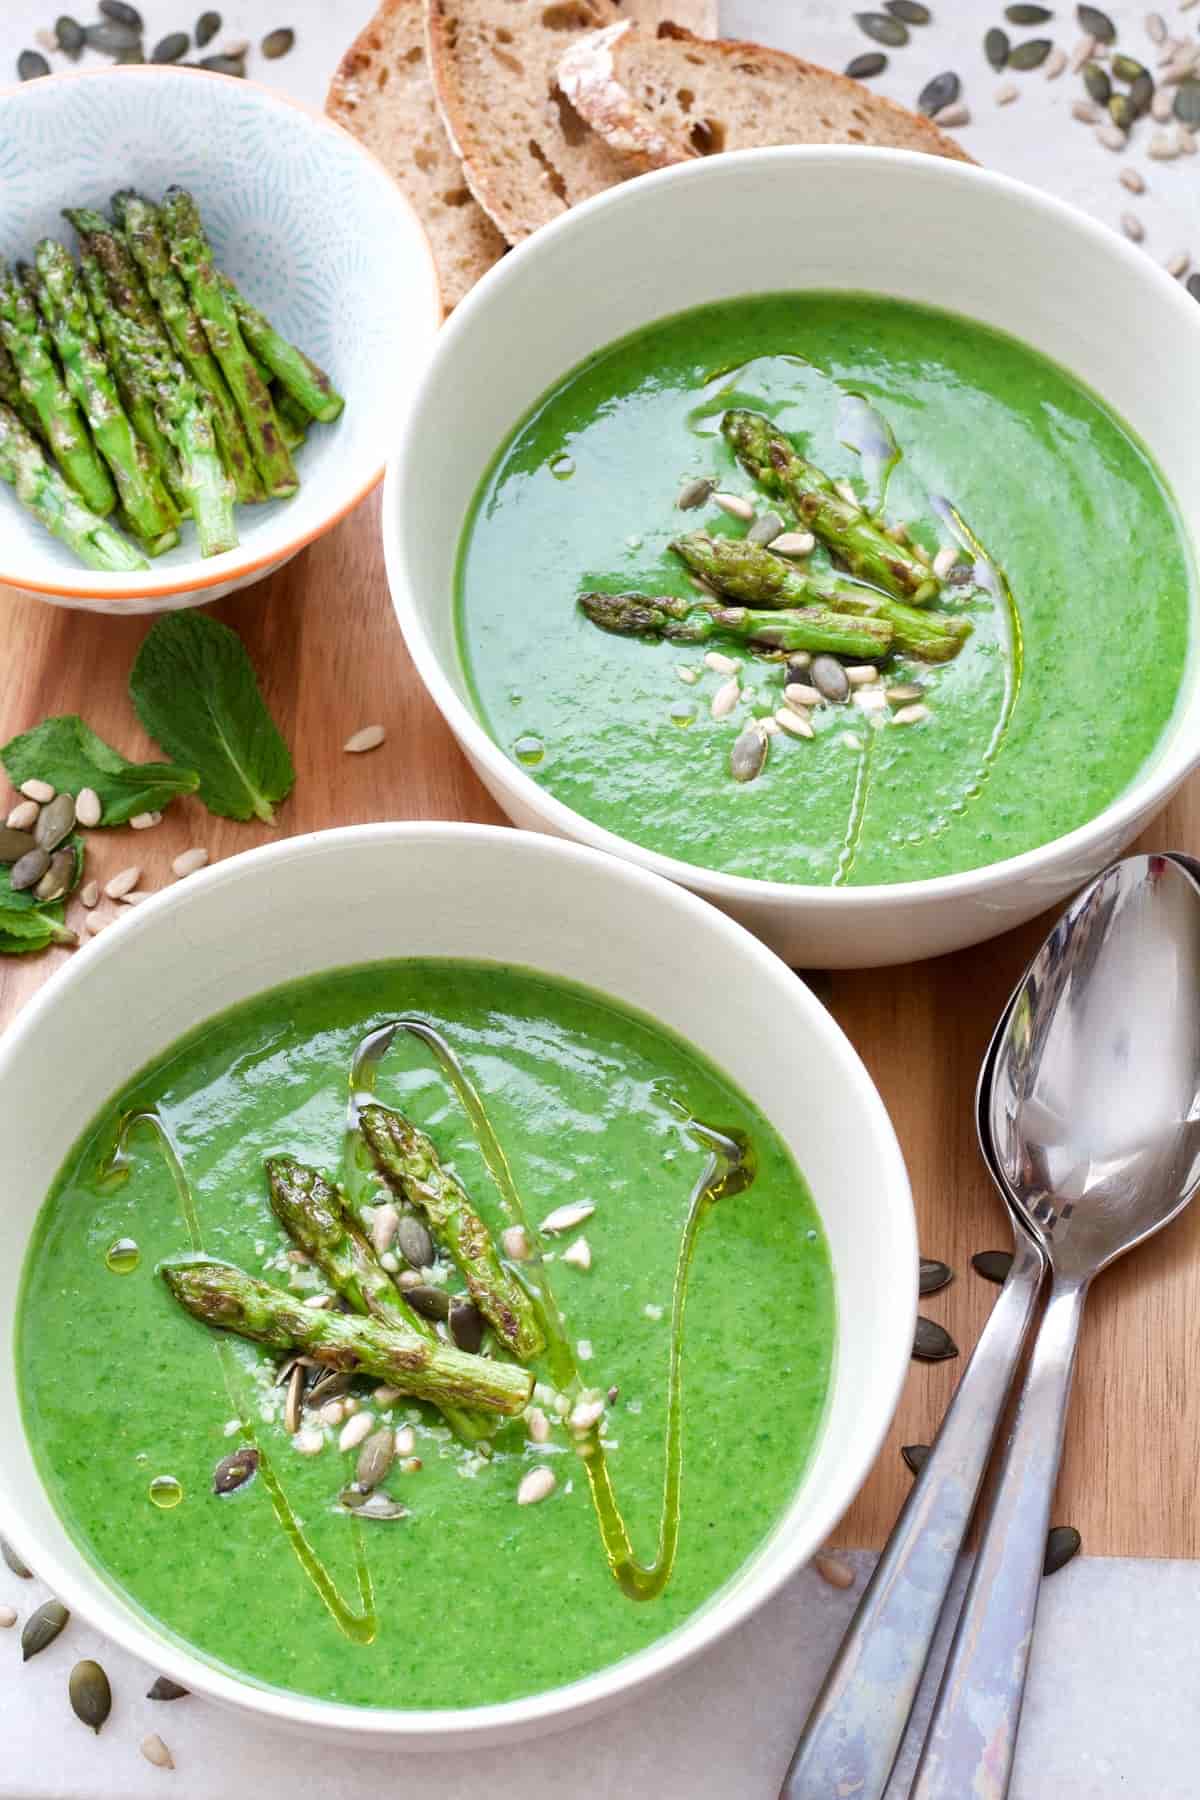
<point x="917" y="227"/>
<point x="302" y="216"/>
<point x="376" y="891"/>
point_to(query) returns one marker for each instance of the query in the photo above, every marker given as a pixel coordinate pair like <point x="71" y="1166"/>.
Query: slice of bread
<point x="382" y="93"/>
<point x="702" y="95"/>
<point x="526" y="153"/>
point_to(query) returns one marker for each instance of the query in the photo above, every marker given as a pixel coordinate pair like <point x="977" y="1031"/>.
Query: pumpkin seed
<point x="934" y="1276"/>
<point x="862" y="68"/>
<point x="55" y="822"/>
<point x="1187" y="102"/>
<point x="1120" y="111"/>
<point x="223" y="65"/>
<point x="932" y="1342"/>
<point x="91" y="1696"/>
<point x="1097" y="24"/>
<point x="466" y="1326"/>
<point x="1193" y="286"/>
<point x="278" y="43"/>
<point x="942" y="90"/>
<point x="207" y="27"/>
<point x="885" y="30"/>
<point x="829" y="679"/>
<point x="381" y="1506"/>
<point x="113" y="37"/>
<point x="294" y="1404"/>
<point x="15" y="844"/>
<point x="121" y="13"/>
<point x="375" y="1458"/>
<point x="328" y="1386"/>
<point x="748" y="756"/>
<point x="13" y="1561"/>
<point x="414" y="1242"/>
<point x="1031" y="54"/>
<point x="430" y="1302"/>
<point x="42" y="1627"/>
<point x="911" y="11"/>
<point x="166" y="1689"/>
<point x="1127" y="68"/>
<point x="170" y="48"/>
<point x="235" y="1470"/>
<point x="1156" y="28"/>
<point x="31" y="64"/>
<point x="1095" y="80"/>
<point x="995" y="47"/>
<point x="833" y="1569"/>
<point x="28" y="870"/>
<point x="59" y="878"/>
<point x="1027" y="15"/>
<point x="1141" y="94"/>
<point x="1062" y="1543"/>
<point x="69" y="33"/>
<point x="915" y="1455"/>
<point x="694" y="493"/>
<point x="765" y="528"/>
<point x="904" y="693"/>
<point x="993" y="1265"/>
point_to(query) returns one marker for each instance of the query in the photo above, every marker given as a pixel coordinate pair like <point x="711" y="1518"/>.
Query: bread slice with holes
<point x="637" y="89"/>
<point x="382" y="93"/>
<point x="526" y="153"/>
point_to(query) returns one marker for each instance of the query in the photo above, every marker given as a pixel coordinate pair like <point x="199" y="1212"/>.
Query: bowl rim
<point x="1168" y="765"/>
<point x="120" y="1619"/>
<point x="228" y="567"/>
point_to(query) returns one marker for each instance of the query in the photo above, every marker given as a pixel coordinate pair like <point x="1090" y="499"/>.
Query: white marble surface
<point x="1113" y="1711"/>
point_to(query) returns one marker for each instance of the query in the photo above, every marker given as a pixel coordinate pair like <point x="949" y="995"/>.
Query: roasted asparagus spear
<point x="686" y="622"/>
<point x="25" y="339"/>
<point x="297" y="373"/>
<point x="41" y="488"/>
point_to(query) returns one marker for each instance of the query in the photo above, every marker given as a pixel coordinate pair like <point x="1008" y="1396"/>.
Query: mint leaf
<point x="68" y="754"/>
<point x="193" y="688"/>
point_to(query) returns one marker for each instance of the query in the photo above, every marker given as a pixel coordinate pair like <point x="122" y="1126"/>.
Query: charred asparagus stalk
<point x="224" y="1297"/>
<point x="408" y="1162"/>
<point x="314" y="1214"/>
<point x="684" y="622"/>
<point x="62" y="423"/>
<point x="146" y="503"/>
<point x="850" y="533"/>
<point x="133" y="382"/>
<point x="41" y="488"/>
<point x="293" y="420"/>
<point x="192" y="256"/>
<point x="14" y="395"/>
<point x="296" y="373"/>
<point x="751" y="573"/>
<point x="142" y="225"/>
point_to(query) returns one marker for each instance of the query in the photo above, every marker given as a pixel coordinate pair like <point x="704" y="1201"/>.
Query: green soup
<point x="130" y="1403"/>
<point x="1055" y="703"/>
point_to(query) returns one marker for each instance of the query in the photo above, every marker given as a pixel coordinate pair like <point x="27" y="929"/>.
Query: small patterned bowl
<point x="301" y="216"/>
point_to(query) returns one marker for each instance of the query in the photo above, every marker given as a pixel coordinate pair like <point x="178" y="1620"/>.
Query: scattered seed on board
<point x="566" y="1218"/>
<point x="939" y="92"/>
<point x="884" y="29"/>
<point x="1031" y="54"/>
<point x="996" y="47"/>
<point x="915" y="1455"/>
<point x="725" y="698"/>
<point x="695" y="493"/>
<point x="23" y="816"/>
<point x="163" y="1688"/>
<point x="539" y="1484"/>
<point x="1097" y="24"/>
<point x="88" y="809"/>
<point x="1056" y="62"/>
<point x="1062" y="1543"/>
<point x="1129" y="178"/>
<point x="1006" y="94"/>
<point x="8" y="1617"/>
<point x="1156" y="28"/>
<point x="123" y="882"/>
<point x="1177" y="264"/>
<point x="993" y="1265"/>
<point x="735" y="506"/>
<point x="278" y="43"/>
<point x="721" y="665"/>
<point x="934" y="1276"/>
<point x="870" y="63"/>
<point x="1083" y="53"/>
<point x="833" y="1569"/>
<point x="13" y="1562"/>
<point x="1112" y="139"/>
<point x="42" y="1627"/>
<point x="369" y="738"/>
<point x="90" y="1694"/>
<point x="1085" y="112"/>
<point x="1161" y="107"/>
<point x="1132" y="226"/>
<point x="932" y="1342"/>
<point x="156" y="1752"/>
<point x="41" y="791"/>
<point x="1162" y="148"/>
<point x="145" y="821"/>
<point x="794" y="722"/>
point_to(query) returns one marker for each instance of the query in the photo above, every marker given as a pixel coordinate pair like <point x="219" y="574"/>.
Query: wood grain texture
<point x="322" y="636"/>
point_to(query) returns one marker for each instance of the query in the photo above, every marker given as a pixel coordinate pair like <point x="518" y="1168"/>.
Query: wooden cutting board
<point x="322" y="635"/>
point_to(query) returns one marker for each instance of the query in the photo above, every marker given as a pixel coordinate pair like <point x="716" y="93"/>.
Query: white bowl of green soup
<point x="816" y="527"/>
<point x="452" y="1278"/>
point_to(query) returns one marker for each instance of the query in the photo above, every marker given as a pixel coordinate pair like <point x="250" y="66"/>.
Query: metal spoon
<point x="854" y="1731"/>
<point x="1095" y="1114"/>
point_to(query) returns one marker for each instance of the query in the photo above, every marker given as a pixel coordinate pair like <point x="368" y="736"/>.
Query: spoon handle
<point x="972" y="1735"/>
<point x="857" y="1722"/>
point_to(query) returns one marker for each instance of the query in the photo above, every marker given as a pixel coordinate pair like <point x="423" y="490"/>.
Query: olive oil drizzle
<point x="360" y="1627"/>
<point x="857" y="817"/>
<point x="729" y="1168"/>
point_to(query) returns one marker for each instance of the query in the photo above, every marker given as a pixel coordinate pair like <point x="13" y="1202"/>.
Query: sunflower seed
<point x="31" y="64"/>
<point x="566" y="1218"/>
<point x="538" y="1425"/>
<point x="1007" y="93"/>
<point x="385" y="1223"/>
<point x="829" y="679"/>
<point x="28" y="870"/>
<point x="725" y="698"/>
<point x="1132" y="226"/>
<point x="584" y="1414"/>
<point x="55" y="822"/>
<point x="90" y="1694"/>
<point x="1027" y="15"/>
<point x="539" y="1484"/>
<point x="8" y="1617"/>
<point x="1095" y="80"/>
<point x="748" y="756"/>
<point x="189" y="862"/>
<point x="156" y="1752"/>
<point x="1186" y="138"/>
<point x="912" y="715"/>
<point x="1062" y="1543"/>
<point x="1177" y="264"/>
<point x="1112" y="139"/>
<point x="862" y="68"/>
<point x="695" y="493"/>
<point x="1031" y="54"/>
<point x="514" y="1241"/>
<point x="88" y="807"/>
<point x="41" y="791"/>
<point x="1187" y="102"/>
<point x="942" y="90"/>
<point x="765" y="529"/>
<point x="794" y="543"/>
<point x="430" y="1302"/>
<point x="993" y="1265"/>
<point x="1085" y="112"/>
<point x="112" y="38"/>
<point x="369" y="738"/>
<point x="953" y="116"/>
<point x="375" y="1458"/>
<point x="466" y="1324"/>
<point x="94" y="923"/>
<point x="207" y="27"/>
<point x="1129" y="178"/>
<point x="59" y="877"/>
<point x="798" y="693"/>
<point x="934" y="1275"/>
<point x="995" y="47"/>
<point x="294" y="1404"/>
<point x="796" y="723"/>
<point x="1097" y="24"/>
<point x="892" y="33"/>
<point x="13" y="1561"/>
<point x="123" y="882"/>
<point x="904" y="693"/>
<point x="1056" y="62"/>
<point x="833" y="1569"/>
<point x="278" y="43"/>
<point x="15" y="844"/>
<point x="1162" y="148"/>
<point x="163" y="1688"/>
<point x="355" y="1430"/>
<point x="578" y="1254"/>
<point x="932" y="1342"/>
<point x="721" y="665"/>
<point x="915" y="1455"/>
<point x="42" y="1627"/>
<point x="1156" y="28"/>
<point x="23" y="816"/>
<point x="145" y="821"/>
<point x="735" y="506"/>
